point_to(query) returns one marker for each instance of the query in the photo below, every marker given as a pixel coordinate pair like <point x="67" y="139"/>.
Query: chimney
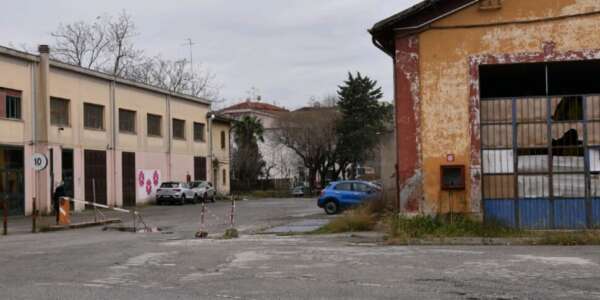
<point x="41" y="105"/>
<point x="43" y="186"/>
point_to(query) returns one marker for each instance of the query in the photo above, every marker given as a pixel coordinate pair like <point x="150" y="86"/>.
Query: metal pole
<point x="202" y="216"/>
<point x="134" y="221"/>
<point x="34" y="217"/>
<point x="232" y="215"/>
<point x="94" y="199"/>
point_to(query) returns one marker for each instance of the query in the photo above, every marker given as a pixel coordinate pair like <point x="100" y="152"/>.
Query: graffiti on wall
<point x="147" y="183"/>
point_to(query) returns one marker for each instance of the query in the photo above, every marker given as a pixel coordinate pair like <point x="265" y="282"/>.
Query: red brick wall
<point x="407" y="101"/>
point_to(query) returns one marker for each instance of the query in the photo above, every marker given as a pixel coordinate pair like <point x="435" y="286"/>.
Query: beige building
<point x="282" y="164"/>
<point x="109" y="139"/>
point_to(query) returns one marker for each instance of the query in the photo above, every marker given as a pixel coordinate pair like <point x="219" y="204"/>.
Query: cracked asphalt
<point x="95" y="264"/>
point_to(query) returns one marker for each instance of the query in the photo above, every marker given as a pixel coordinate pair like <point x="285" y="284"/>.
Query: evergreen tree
<point x="363" y="118"/>
<point x="247" y="162"/>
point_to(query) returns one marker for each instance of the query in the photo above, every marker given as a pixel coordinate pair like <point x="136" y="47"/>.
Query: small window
<point x="59" y="111"/>
<point x="199" y="132"/>
<point x="222" y="139"/>
<point x="154" y="125"/>
<point x="179" y="129"/>
<point x="93" y="116"/>
<point x="224" y="177"/>
<point x="13" y="107"/>
<point x="126" y="121"/>
<point x="343" y="186"/>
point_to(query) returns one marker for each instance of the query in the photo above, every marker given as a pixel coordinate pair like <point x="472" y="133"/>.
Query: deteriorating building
<point x="498" y="109"/>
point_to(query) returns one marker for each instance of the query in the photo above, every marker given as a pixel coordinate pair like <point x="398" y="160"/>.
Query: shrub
<point x="351" y="221"/>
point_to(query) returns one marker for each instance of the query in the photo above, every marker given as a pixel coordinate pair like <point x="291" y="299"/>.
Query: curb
<point x="53" y="228"/>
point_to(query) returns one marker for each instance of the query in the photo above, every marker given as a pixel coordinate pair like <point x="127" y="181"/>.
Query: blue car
<point x="344" y="194"/>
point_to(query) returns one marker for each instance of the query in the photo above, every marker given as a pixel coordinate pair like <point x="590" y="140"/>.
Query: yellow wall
<point x="16" y="74"/>
<point x="445" y="79"/>
<point x="222" y="155"/>
<point x="184" y="110"/>
<point x="80" y="89"/>
<point x="143" y="103"/>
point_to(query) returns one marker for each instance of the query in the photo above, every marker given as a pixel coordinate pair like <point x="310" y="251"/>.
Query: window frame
<point x="149" y="116"/>
<point x="134" y="121"/>
<point x="18" y="109"/>
<point x="177" y="137"/>
<point x="67" y="112"/>
<point x="102" y="121"/>
<point x="202" y="138"/>
<point x="223" y="143"/>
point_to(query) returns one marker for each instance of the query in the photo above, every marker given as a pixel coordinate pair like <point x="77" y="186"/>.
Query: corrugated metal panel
<point x="570" y="214"/>
<point x="502" y="211"/>
<point x="535" y="213"/>
<point x="596" y="212"/>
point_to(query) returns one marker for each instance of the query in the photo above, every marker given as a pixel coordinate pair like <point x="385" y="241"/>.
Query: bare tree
<point x="174" y="75"/>
<point x="81" y="44"/>
<point x="121" y="32"/>
<point x="310" y="133"/>
<point x="107" y="45"/>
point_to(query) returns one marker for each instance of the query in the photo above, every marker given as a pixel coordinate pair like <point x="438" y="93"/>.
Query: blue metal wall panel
<point x="596" y="212"/>
<point x="535" y="213"/>
<point x="570" y="214"/>
<point x="501" y="211"/>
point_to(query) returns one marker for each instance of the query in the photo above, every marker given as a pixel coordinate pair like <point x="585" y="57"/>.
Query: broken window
<point x="573" y="78"/>
<point x="516" y="80"/>
<point x="569" y="108"/>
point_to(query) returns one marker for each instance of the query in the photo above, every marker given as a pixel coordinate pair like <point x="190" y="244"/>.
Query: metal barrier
<point x="202" y="230"/>
<point x="136" y="216"/>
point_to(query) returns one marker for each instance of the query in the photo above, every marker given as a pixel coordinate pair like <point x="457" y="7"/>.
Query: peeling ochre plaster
<point x="446" y="111"/>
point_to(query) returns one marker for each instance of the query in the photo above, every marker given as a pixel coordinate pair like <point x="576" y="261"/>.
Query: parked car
<point x="204" y="190"/>
<point x="299" y="191"/>
<point x="345" y="194"/>
<point x="176" y="193"/>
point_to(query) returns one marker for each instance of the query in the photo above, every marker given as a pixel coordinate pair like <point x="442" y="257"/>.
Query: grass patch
<point x="351" y="221"/>
<point x="444" y="226"/>
<point x="266" y="194"/>
<point x="577" y="238"/>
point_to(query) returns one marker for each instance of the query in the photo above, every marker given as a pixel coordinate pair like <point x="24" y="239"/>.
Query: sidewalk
<point x="18" y="225"/>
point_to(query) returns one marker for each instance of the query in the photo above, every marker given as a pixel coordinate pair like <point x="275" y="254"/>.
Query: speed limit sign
<point x="40" y="161"/>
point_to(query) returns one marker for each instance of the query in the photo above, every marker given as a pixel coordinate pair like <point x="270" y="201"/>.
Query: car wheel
<point x="331" y="207"/>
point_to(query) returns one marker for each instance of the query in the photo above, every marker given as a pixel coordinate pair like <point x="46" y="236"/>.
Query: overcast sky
<point x="289" y="50"/>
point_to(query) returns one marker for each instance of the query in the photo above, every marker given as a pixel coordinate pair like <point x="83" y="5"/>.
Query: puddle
<point x="298" y="227"/>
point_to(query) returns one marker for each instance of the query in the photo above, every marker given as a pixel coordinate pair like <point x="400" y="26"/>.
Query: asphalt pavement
<point x="95" y="264"/>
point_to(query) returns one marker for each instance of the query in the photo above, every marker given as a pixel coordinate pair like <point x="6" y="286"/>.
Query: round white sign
<point x="40" y="161"/>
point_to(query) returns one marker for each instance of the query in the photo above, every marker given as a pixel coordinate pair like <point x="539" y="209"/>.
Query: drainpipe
<point x="113" y="104"/>
<point x="169" y="138"/>
<point x="211" y="172"/>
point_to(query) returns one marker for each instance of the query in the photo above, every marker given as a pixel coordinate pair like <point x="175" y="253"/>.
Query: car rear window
<point x="169" y="185"/>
